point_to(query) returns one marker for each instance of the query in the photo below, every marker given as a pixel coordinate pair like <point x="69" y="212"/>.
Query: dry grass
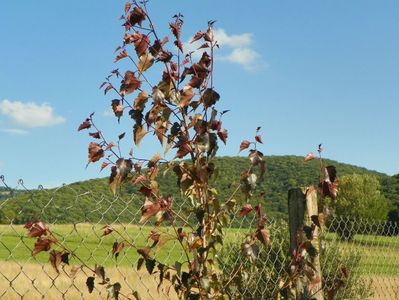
<point x="35" y="281"/>
<point x="385" y="287"/>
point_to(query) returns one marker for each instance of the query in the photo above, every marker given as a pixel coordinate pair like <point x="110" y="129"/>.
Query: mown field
<point x="24" y="274"/>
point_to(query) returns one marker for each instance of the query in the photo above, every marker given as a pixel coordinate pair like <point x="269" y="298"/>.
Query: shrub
<point x="267" y="277"/>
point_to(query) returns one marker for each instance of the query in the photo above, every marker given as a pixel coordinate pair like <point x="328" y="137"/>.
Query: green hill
<point x="92" y="201"/>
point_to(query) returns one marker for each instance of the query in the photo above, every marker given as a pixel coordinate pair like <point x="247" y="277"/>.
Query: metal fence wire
<point x="367" y="249"/>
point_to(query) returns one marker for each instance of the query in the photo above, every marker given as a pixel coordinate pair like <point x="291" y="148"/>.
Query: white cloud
<point x="30" y="114"/>
<point x="235" y="48"/>
<point x="234" y="40"/>
<point x="14" y="131"/>
<point x="246" y="57"/>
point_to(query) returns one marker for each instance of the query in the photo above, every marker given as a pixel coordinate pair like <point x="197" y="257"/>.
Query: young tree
<point x="179" y="109"/>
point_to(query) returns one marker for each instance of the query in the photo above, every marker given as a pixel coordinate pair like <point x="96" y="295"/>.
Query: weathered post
<point x="302" y="205"/>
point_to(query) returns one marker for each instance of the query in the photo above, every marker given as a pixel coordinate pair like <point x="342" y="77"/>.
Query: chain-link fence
<point x="365" y="250"/>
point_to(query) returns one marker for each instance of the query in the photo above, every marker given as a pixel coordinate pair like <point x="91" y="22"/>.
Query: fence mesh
<point x="366" y="249"/>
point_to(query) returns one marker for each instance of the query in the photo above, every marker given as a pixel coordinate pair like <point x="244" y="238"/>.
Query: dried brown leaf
<point x="139" y="132"/>
<point x="137" y="16"/>
<point x="223" y="135"/>
<point x="145" y="62"/>
<point x="121" y="55"/>
<point x="245" y="210"/>
<point x="258" y="138"/>
<point x="95" y="152"/>
<point x="149" y="210"/>
<point x="117" y="248"/>
<point x="186" y="95"/>
<point x="127" y="7"/>
<point x="107" y="229"/>
<point x="141" y="45"/>
<point x="108" y="88"/>
<point x="129" y="83"/>
<point x="244" y="145"/>
<point x="55" y="259"/>
<point x="90" y="283"/>
<point x="119" y="173"/>
<point x="309" y="156"/>
<point x="42" y="244"/>
<point x="263" y="235"/>
<point x="199" y="35"/>
<point x="144" y="252"/>
<point x="100" y="272"/>
<point x="85" y="125"/>
<point x="36" y="229"/>
<point x="140" y="101"/>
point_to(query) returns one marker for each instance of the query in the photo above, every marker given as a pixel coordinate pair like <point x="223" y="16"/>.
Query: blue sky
<point x="307" y="72"/>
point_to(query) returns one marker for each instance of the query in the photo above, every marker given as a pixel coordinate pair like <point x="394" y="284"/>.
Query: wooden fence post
<point x="302" y="204"/>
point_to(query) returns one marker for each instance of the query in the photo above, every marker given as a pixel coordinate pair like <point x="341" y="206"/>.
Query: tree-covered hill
<point x="92" y="200"/>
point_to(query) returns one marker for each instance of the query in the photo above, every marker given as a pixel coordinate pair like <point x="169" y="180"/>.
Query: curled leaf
<point x="95" y="152"/>
<point x="100" y="272"/>
<point x="85" y="125"/>
<point x="258" y="138"/>
<point x="95" y="135"/>
<point x="42" y="244"/>
<point x="199" y="35"/>
<point x="309" y="156"/>
<point x="114" y="290"/>
<point x="108" y="88"/>
<point x="245" y="210"/>
<point x="150" y="265"/>
<point x="55" y="259"/>
<point x="145" y="62"/>
<point x="149" y="209"/>
<point x="250" y="250"/>
<point x="127" y="7"/>
<point x="90" y="283"/>
<point x="137" y="16"/>
<point x="119" y="172"/>
<point x="117" y="108"/>
<point x="107" y="229"/>
<point x="223" y="135"/>
<point x="139" y="132"/>
<point x="329" y="184"/>
<point x="36" y="229"/>
<point x="263" y="235"/>
<point x="121" y="55"/>
<point x="65" y="258"/>
<point x="144" y="252"/>
<point x="140" y="101"/>
<point x="117" y="248"/>
<point x="244" y="145"/>
<point x="210" y="97"/>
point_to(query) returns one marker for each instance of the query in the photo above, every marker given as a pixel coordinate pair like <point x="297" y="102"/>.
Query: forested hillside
<point x="88" y="200"/>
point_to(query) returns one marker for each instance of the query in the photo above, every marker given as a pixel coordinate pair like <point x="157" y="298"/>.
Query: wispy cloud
<point x="235" y="48"/>
<point x="30" y="115"/>
<point x="14" y="131"/>
<point x="108" y="113"/>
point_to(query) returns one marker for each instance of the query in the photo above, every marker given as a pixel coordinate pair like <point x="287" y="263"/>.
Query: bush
<point x="262" y="279"/>
<point x="334" y="263"/>
<point x="265" y="278"/>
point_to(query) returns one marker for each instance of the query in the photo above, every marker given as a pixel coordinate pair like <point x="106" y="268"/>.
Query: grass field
<point x="31" y="276"/>
<point x="87" y="242"/>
